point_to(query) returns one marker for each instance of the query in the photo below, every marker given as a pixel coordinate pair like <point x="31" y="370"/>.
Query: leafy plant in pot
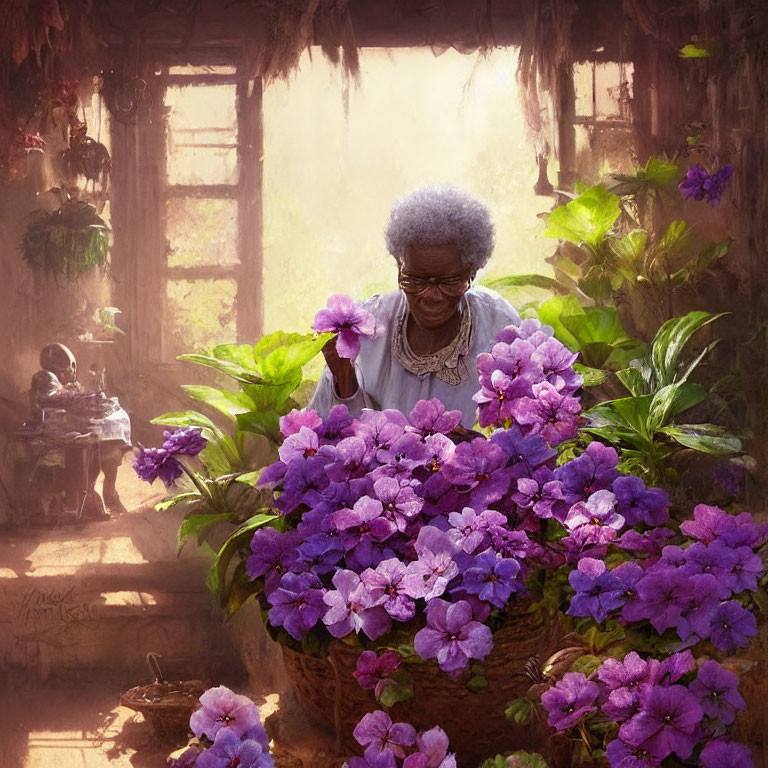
<point x="69" y="242"/>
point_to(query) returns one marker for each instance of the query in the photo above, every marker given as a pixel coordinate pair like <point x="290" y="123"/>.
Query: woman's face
<point x="432" y="308"/>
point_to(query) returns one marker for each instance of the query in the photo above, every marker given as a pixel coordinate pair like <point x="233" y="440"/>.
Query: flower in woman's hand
<point x="348" y="320"/>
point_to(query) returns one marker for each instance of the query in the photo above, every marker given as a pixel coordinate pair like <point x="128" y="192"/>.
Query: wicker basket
<point x="474" y="721"/>
<point x="166" y="706"/>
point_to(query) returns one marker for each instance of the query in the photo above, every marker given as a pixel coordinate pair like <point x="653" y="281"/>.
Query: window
<point x="208" y="262"/>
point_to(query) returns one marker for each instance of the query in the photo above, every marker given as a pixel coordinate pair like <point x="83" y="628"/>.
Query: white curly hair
<point x="438" y="215"/>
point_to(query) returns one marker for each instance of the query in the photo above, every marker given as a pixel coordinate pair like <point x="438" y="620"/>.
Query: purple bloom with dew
<point x="569" y="700"/>
<point x="721" y="753"/>
<point x="639" y="504"/>
<point x="469" y="530"/>
<point x="274" y="553"/>
<point x="480" y="467"/>
<point x="598" y="592"/>
<point x="350" y="321"/>
<point x="548" y="413"/>
<point x="710" y="523"/>
<point x="492" y="579"/>
<point x="222" y="708"/>
<point x="718" y="692"/>
<point x="623" y="755"/>
<point x="438" y="449"/>
<point x="377" y="731"/>
<point x="731" y="627"/>
<point x="185" y="441"/>
<point x="667" y="722"/>
<point x="292" y="422"/>
<point x="452" y="636"/>
<point x="229" y="750"/>
<point x="152" y="463"/>
<point x="594" y="470"/>
<point x="386" y="587"/>
<point x="297" y="603"/>
<point x="303" y="483"/>
<point x="374" y="672"/>
<point x="429" y="417"/>
<point x="349" y="608"/>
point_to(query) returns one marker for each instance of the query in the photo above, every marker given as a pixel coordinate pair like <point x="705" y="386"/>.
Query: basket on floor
<point x="474" y="721"/>
<point x="166" y="706"/>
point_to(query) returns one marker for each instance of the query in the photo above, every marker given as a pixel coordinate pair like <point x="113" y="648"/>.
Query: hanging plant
<point x="69" y="242"/>
<point x="85" y="157"/>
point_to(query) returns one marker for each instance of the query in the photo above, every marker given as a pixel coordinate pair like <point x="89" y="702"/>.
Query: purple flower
<point x="222" y="708"/>
<point x="377" y="731"/>
<point x="387" y="588"/>
<point x="540" y="492"/>
<point x="492" y="579"/>
<point x="599" y="512"/>
<point x="451" y="636"/>
<point x="319" y="553"/>
<point x="628" y="575"/>
<point x="480" y="466"/>
<point x="292" y="422"/>
<point x="664" y="595"/>
<point x="297" y="604"/>
<point x="495" y="400"/>
<point x="649" y="543"/>
<point x="300" y="445"/>
<point x="594" y="470"/>
<point x="716" y="558"/>
<point x="631" y="672"/>
<point x="526" y="453"/>
<point x="598" y="592"/>
<point x="336" y="425"/>
<point x="718" y="692"/>
<point x="430" y="575"/>
<point x="666" y="724"/>
<point x="469" y="530"/>
<point x="712" y="523"/>
<point x="403" y="456"/>
<point x="303" y="483"/>
<point x="152" y="463"/>
<point x="556" y="361"/>
<point x="274" y="553"/>
<point x="350" y="609"/>
<point x="348" y="320"/>
<point x="639" y="504"/>
<point x="429" y="417"/>
<point x="622" y="704"/>
<point x="372" y="758"/>
<point x="548" y="413"/>
<point x="186" y="759"/>
<point x="622" y="755"/>
<point x="745" y="571"/>
<point x="185" y="441"/>
<point x="731" y="627"/>
<point x="569" y="700"/>
<point x="229" y="750"/>
<point x="726" y="754"/>
<point x="672" y="668"/>
<point x="363" y="524"/>
<point x="373" y="672"/>
<point x="379" y="429"/>
<point x="432" y="752"/>
<point x="700" y="185"/>
<point x="399" y="501"/>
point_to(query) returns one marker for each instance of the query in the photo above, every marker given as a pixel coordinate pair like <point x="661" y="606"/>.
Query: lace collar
<point x="446" y="363"/>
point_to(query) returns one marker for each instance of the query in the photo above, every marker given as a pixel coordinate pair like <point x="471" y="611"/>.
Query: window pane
<point x="201" y="232"/>
<point x="203" y="69"/>
<point x="201" y="106"/>
<point x="199" y="314"/>
<point x="202" y="165"/>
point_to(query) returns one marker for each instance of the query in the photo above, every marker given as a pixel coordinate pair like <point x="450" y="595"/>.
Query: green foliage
<point x="519" y="710"/>
<point x="195" y="526"/>
<point x="692" y="51"/>
<point x="400" y="690"/>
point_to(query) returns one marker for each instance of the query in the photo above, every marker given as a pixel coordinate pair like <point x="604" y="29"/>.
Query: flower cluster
<point x="528" y="379"/>
<point x="659" y="708"/>
<point x="396" y="745"/>
<point x="350" y="321"/>
<point x="228" y="732"/>
<point x="152" y="463"/>
<point x="696" y="589"/>
<point x="700" y="185"/>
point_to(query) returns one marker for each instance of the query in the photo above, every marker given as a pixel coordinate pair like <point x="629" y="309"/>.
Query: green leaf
<point x="240" y="354"/>
<point x="229" y="403"/>
<point x="636" y="378"/>
<point x="249" y="478"/>
<point x="670" y="340"/>
<point x="217" y="574"/>
<point x="197" y="525"/>
<point x="241" y="589"/>
<point x="523" y="759"/>
<point x="692" y="51"/>
<point x="400" y="690"/>
<point x="516" y="281"/>
<point x="671" y="400"/>
<point x="266" y="423"/>
<point x="551" y="313"/>
<point x="519" y="710"/>
<point x="587" y="219"/>
<point x="592" y="376"/>
<point x="634" y="411"/>
<point x="283" y="361"/>
<point x="477" y="683"/>
<point x="586" y="664"/>
<point x="707" y="438"/>
<point x="162" y="506"/>
<point x="233" y="370"/>
<point x="596" y="283"/>
<point x="659" y="171"/>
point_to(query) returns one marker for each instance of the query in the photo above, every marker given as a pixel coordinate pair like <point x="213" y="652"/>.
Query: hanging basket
<point x="474" y="721"/>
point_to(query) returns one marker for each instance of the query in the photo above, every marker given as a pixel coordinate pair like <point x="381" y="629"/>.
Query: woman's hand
<point x="342" y="370"/>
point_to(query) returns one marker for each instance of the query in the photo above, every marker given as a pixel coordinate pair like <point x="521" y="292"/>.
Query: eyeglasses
<point x="451" y="285"/>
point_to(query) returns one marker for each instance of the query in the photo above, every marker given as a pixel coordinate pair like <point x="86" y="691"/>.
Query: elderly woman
<point x="430" y="332"/>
